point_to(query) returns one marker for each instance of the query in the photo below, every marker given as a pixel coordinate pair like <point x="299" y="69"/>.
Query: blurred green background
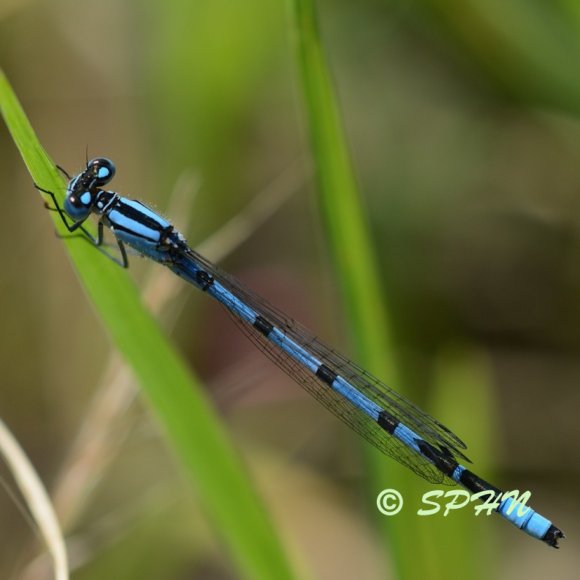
<point x="461" y="118"/>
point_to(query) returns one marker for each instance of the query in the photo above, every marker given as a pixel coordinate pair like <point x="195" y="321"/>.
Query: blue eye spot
<point x="103" y="172"/>
<point x="85" y="198"/>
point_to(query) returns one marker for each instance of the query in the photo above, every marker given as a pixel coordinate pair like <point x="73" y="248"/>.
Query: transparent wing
<point x="431" y="430"/>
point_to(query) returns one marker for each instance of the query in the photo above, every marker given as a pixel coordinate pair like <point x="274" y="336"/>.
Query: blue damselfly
<point x="382" y="416"/>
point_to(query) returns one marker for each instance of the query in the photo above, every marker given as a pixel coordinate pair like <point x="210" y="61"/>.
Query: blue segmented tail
<point x="433" y="454"/>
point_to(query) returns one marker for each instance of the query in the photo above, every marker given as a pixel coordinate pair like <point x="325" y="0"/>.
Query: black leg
<point x="64" y="172"/>
<point x="97" y="242"/>
<point x="124" y="261"/>
<point x="70" y="227"/>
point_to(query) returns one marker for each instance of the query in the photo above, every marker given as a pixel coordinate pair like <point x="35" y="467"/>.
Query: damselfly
<point x="383" y="417"/>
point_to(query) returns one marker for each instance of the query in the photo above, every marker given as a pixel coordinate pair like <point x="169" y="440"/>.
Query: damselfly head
<point x="79" y="201"/>
<point x="101" y="169"/>
<point x="83" y="191"/>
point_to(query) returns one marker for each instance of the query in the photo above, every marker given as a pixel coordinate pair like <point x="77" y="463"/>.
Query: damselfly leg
<point x="82" y="232"/>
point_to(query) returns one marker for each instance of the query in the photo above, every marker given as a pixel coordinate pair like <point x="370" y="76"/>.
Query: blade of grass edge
<point x="355" y="266"/>
<point x="463" y="381"/>
<point x="194" y="429"/>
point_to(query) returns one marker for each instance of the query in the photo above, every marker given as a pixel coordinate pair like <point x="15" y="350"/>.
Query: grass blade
<point x="37" y="500"/>
<point x="188" y="418"/>
<point x="356" y="269"/>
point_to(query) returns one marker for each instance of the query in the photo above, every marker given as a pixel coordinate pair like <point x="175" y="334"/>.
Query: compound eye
<point x="103" y="170"/>
<point x="78" y="205"/>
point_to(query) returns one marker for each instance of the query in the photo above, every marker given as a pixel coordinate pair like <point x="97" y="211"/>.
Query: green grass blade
<point x="463" y="380"/>
<point x="356" y="270"/>
<point x="188" y="418"/>
<point x="341" y="210"/>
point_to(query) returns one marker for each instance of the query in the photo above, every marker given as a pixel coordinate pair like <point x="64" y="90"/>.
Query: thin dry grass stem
<point x="237" y="230"/>
<point x="96" y="443"/>
<point x="37" y="500"/>
<point x="113" y="527"/>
